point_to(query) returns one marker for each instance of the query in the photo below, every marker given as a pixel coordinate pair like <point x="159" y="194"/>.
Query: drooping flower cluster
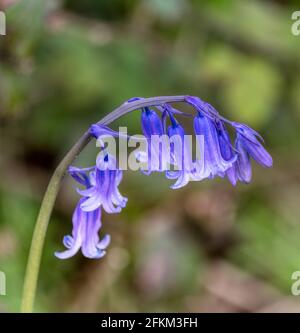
<point x="218" y="157"/>
<point x="101" y="191"/>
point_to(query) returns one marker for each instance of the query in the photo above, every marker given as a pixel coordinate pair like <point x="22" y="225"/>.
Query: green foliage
<point x="249" y="86"/>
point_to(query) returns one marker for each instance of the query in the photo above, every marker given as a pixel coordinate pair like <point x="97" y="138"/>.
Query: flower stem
<point x="40" y="229"/>
<point x="39" y="234"/>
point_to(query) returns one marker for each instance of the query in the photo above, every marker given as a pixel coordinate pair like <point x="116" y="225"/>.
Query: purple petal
<point x="243" y="165"/>
<point x="214" y="163"/>
<point x="257" y="152"/>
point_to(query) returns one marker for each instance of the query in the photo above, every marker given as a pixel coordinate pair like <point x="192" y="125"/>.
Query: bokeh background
<point x="206" y="247"/>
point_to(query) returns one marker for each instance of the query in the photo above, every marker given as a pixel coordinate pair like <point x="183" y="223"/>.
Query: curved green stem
<point x="39" y="234"/>
<point x="41" y="226"/>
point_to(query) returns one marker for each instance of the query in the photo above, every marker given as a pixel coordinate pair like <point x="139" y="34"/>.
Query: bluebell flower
<point x="105" y="180"/>
<point x="104" y="191"/>
<point x="227" y="152"/>
<point x="100" y="191"/>
<point x="218" y="158"/>
<point x="247" y="138"/>
<point x="243" y="167"/>
<point x="86" y="226"/>
<point x="212" y="162"/>
<point x="158" y="156"/>
<point x="247" y="145"/>
<point x="153" y="130"/>
<point x="181" y="156"/>
<point x="151" y="123"/>
<point x="234" y="163"/>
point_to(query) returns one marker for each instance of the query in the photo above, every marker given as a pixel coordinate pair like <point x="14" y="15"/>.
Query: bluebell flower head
<point x="217" y="158"/>
<point x="212" y="162"/>
<point x="153" y="129"/>
<point x="100" y="191"/>
<point x="227" y="152"/>
<point x="105" y="181"/>
<point x="243" y="163"/>
<point x="151" y="123"/>
<point x="104" y="190"/>
<point x="86" y="226"/>
<point x="234" y="163"/>
<point x="248" y="140"/>
<point x="158" y="157"/>
<point x="180" y="153"/>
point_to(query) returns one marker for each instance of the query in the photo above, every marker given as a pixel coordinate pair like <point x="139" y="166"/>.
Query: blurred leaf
<point x="295" y="97"/>
<point x="14" y="91"/>
<point x="26" y="20"/>
<point x="168" y="10"/>
<point x="249" y="86"/>
<point x="263" y="25"/>
<point x="270" y="246"/>
<point x="252" y="92"/>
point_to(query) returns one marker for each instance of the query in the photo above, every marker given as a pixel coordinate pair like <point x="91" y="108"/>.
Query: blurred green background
<point x="206" y="247"/>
